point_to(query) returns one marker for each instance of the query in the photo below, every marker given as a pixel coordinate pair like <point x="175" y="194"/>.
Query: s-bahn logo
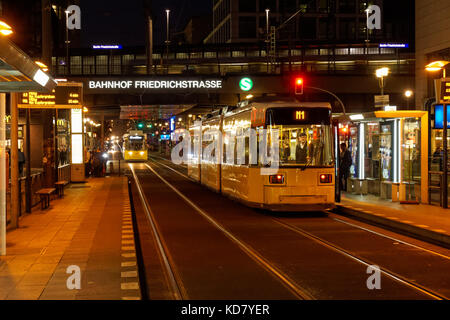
<point x="246" y="84"/>
<point x="373" y="17"/>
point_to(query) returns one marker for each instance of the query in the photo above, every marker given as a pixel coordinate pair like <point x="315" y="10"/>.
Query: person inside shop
<point x="21" y="158"/>
<point x="301" y="150"/>
<point x="437" y="157"/>
<point x="345" y="162"/>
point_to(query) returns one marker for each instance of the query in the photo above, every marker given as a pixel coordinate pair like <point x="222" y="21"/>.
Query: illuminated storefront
<point x="389" y="151"/>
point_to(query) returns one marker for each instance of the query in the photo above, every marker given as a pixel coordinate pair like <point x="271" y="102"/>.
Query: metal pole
<point x="67" y="43"/>
<point x="55" y="144"/>
<point x="445" y="166"/>
<point x="3" y="179"/>
<point x="331" y="93"/>
<point x="150" y="46"/>
<point x="14" y="161"/>
<point x="28" y="195"/>
<point x="167" y="38"/>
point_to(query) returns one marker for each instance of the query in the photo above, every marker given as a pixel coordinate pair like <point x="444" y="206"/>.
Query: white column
<point x="2" y="176"/>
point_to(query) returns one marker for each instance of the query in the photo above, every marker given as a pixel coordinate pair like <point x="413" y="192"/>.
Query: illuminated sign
<point x="299" y="115"/>
<point x="445" y="90"/>
<point x="439" y="116"/>
<point x="390" y="108"/>
<point x="246" y="84"/>
<point x="164" y="137"/>
<point x="73" y="16"/>
<point x="102" y="46"/>
<point x="156" y="84"/>
<point x="172" y="124"/>
<point x="65" y="95"/>
<point x="136" y="137"/>
<point x="394" y="45"/>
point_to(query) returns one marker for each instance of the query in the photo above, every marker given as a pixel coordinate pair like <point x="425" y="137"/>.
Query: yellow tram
<point x="305" y="175"/>
<point x="135" y="146"/>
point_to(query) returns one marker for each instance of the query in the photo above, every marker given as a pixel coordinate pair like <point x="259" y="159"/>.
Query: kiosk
<point x="389" y="152"/>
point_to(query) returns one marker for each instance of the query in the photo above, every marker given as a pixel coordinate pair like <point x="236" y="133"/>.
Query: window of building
<point x="247" y="27"/>
<point x="287" y="6"/>
<point x="347" y="6"/>
<point x="247" y="5"/>
<point x="267" y="4"/>
<point x="307" y="28"/>
<point x="347" y="29"/>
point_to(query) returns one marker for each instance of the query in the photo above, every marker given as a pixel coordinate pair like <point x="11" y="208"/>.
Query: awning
<point x="18" y="72"/>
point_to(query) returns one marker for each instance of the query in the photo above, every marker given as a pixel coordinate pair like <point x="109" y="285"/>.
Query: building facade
<point x="318" y="20"/>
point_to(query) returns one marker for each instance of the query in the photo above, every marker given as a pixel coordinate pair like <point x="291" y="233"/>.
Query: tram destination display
<point x="65" y="95"/>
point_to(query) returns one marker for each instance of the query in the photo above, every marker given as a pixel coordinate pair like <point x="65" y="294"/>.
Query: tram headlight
<point x="326" y="178"/>
<point x="141" y="153"/>
<point x="276" y="179"/>
<point x="130" y="153"/>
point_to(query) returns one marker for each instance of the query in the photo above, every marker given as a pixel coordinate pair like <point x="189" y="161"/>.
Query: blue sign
<point x="106" y="46"/>
<point x="172" y="124"/>
<point x="394" y="45"/>
<point x="164" y="137"/>
<point x="439" y="116"/>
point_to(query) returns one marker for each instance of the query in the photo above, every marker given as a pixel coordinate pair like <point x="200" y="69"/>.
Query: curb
<point x="396" y="226"/>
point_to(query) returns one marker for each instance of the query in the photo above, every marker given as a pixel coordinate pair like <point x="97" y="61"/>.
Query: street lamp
<point x="267" y="23"/>
<point x="408" y="94"/>
<point x="381" y="73"/>
<point x="5" y="29"/>
<point x="167" y="26"/>
<point x="367" y="26"/>
<point x="436" y="66"/>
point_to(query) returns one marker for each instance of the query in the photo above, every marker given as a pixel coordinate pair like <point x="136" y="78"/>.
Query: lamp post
<point x="381" y="73"/>
<point x="67" y="42"/>
<point x="408" y="94"/>
<point x="432" y="67"/>
<point x="5" y="29"/>
<point x="367" y="26"/>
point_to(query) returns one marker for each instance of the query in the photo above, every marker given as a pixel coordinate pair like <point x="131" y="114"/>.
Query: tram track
<point x="364" y="261"/>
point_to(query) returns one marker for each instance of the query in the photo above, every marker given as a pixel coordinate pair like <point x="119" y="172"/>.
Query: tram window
<point x="306" y="145"/>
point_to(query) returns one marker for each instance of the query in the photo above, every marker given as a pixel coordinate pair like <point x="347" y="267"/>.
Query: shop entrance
<point x="388" y="155"/>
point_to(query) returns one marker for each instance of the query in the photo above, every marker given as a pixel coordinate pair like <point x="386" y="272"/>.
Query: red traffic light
<point x="299" y="86"/>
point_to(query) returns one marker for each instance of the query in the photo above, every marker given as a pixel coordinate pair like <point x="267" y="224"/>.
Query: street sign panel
<point x="445" y="90"/>
<point x="381" y="100"/>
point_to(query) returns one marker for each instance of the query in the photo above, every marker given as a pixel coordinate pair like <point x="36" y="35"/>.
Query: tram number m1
<point x="299" y="115"/>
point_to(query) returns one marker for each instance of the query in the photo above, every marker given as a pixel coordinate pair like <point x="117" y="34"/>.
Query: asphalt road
<point x="217" y="248"/>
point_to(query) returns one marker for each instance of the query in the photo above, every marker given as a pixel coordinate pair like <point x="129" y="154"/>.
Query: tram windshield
<point x="134" y="143"/>
<point x="305" y="138"/>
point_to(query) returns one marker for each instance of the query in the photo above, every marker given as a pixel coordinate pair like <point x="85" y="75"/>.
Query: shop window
<point x="247" y="27"/>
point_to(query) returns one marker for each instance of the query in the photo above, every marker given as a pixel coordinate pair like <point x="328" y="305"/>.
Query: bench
<point x="60" y="187"/>
<point x="44" y="194"/>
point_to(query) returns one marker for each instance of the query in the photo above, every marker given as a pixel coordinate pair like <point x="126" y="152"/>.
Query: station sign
<point x="393" y="45"/>
<point x="65" y="95"/>
<point x="246" y="84"/>
<point x="154" y="84"/>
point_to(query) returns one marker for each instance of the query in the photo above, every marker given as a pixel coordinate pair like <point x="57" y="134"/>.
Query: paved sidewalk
<point x="426" y="222"/>
<point x="90" y="228"/>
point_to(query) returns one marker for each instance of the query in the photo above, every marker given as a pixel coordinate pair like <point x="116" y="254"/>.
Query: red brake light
<point x="276" y="179"/>
<point x="299" y="81"/>
<point x="326" y="178"/>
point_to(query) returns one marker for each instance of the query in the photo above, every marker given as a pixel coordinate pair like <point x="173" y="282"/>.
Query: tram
<point x="135" y="146"/>
<point x="305" y="175"/>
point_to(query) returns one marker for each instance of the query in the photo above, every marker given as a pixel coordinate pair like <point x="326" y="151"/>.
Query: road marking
<point x="127" y="231"/>
<point x="128" y="274"/>
<point x="127" y="236"/>
<point x="129" y="255"/>
<point x="131" y="298"/>
<point x="128" y="248"/>
<point x="129" y="286"/>
<point x="439" y="230"/>
<point x="422" y="225"/>
<point x="128" y="264"/>
<point x="127" y="242"/>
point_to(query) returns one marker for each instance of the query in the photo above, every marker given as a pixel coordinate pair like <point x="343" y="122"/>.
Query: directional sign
<point x="65" y="95"/>
<point x="381" y="101"/>
<point x="445" y="90"/>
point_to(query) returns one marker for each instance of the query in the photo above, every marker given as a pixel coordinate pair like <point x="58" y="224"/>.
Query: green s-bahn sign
<point x="246" y="84"/>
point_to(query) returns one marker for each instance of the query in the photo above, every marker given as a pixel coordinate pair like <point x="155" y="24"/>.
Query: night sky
<point x="123" y="22"/>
